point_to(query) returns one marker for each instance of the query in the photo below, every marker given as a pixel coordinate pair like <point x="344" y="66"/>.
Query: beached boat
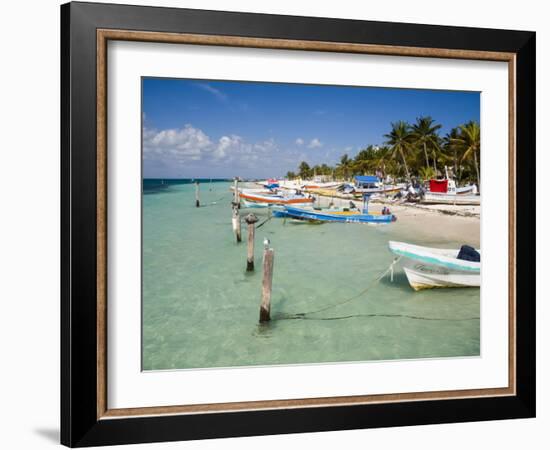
<point x="252" y="198"/>
<point x="314" y="187"/>
<point x="370" y="184"/>
<point x="271" y="183"/>
<point x="448" y="186"/>
<point x="450" y="199"/>
<point x="428" y="267"/>
<point x="446" y="192"/>
<point x="337" y="193"/>
<point x="343" y="216"/>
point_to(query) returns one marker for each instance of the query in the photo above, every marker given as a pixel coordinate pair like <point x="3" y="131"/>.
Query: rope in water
<point x="265" y="221"/>
<point x="212" y="203"/>
<point x="406" y="316"/>
<point x="306" y="315"/>
<point x="343" y="302"/>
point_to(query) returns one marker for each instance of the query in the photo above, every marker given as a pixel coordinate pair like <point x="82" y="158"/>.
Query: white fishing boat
<point x="450" y="199"/>
<point x="251" y="198"/>
<point x="316" y="186"/>
<point x="446" y="192"/>
<point x="428" y="267"/>
<point x="370" y="184"/>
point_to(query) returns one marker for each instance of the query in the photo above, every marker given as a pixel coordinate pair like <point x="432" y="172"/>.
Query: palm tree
<point x="469" y="142"/>
<point x="366" y="160"/>
<point x="399" y="139"/>
<point x="427" y="173"/>
<point x="304" y="170"/>
<point x="424" y="133"/>
<point x="451" y="147"/>
<point x="344" y="165"/>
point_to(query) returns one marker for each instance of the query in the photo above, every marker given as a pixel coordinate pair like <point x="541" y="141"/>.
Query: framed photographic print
<point x="276" y="224"/>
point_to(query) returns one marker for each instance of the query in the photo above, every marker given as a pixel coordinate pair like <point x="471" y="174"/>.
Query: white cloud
<point x="299" y="141"/>
<point x="315" y="143"/>
<point x="175" y="144"/>
<point x="266" y="146"/>
<point x="215" y="92"/>
<point x="226" y="145"/>
<point x="184" y="147"/>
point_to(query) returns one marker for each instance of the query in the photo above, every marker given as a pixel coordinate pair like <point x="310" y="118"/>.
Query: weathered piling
<point x="236" y="199"/>
<point x="236" y="223"/>
<point x="265" y="307"/>
<point x="235" y="205"/>
<point x="197" y="200"/>
<point x="250" y="220"/>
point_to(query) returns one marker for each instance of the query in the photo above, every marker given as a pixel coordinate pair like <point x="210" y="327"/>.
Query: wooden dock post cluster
<point x="268" y="257"/>
<point x="236" y="218"/>
<point x="265" y="307"/>
<point x="250" y="220"/>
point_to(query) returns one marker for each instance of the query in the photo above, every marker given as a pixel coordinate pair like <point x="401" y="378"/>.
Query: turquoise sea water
<point x="200" y="307"/>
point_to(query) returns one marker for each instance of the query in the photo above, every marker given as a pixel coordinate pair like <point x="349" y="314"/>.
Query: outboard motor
<point x="468" y="253"/>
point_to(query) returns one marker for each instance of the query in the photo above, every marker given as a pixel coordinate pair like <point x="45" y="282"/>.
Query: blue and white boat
<point x="343" y="216"/>
<point x="428" y="267"/>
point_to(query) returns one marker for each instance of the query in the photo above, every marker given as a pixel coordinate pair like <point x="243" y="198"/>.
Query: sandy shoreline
<point x="456" y="223"/>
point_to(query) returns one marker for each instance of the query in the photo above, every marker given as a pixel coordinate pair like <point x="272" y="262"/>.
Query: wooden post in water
<point x="236" y="223"/>
<point x="236" y="199"/>
<point x="235" y="204"/>
<point x="265" y="307"/>
<point x="251" y="219"/>
<point x="197" y="200"/>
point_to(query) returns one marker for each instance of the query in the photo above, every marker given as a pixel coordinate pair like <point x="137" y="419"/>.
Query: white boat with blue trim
<point x="428" y="267"/>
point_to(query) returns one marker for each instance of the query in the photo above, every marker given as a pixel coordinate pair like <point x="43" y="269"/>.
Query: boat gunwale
<point x="425" y="255"/>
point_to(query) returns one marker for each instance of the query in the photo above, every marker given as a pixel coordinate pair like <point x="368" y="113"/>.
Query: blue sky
<point x="218" y="129"/>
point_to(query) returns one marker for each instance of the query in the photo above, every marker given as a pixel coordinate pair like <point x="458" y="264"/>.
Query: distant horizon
<point x="202" y="129"/>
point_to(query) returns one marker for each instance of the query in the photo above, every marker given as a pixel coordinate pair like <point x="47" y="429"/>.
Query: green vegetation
<point x="410" y="150"/>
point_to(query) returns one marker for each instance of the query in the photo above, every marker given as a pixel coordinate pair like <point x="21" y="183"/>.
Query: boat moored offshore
<point x="253" y="198"/>
<point x="342" y="216"/>
<point x="428" y="267"/>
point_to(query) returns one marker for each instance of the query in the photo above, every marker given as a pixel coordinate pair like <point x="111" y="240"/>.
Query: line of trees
<point x="410" y="150"/>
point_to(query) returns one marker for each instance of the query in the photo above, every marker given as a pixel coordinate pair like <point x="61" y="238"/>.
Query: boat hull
<point x="253" y="200"/>
<point x="387" y="189"/>
<point x="342" y="217"/>
<point x="427" y="268"/>
<point x="250" y="204"/>
<point x="451" y="199"/>
<point x="421" y="276"/>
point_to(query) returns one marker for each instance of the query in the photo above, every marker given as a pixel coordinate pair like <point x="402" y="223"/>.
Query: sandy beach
<point x="457" y="223"/>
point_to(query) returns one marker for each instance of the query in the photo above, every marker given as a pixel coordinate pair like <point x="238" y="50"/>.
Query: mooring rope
<point x="212" y="203"/>
<point x="306" y="315"/>
<point x="347" y="300"/>
<point x="406" y="316"/>
<point x="265" y="221"/>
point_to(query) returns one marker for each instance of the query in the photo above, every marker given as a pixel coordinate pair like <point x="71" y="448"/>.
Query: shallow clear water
<point x="201" y="308"/>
